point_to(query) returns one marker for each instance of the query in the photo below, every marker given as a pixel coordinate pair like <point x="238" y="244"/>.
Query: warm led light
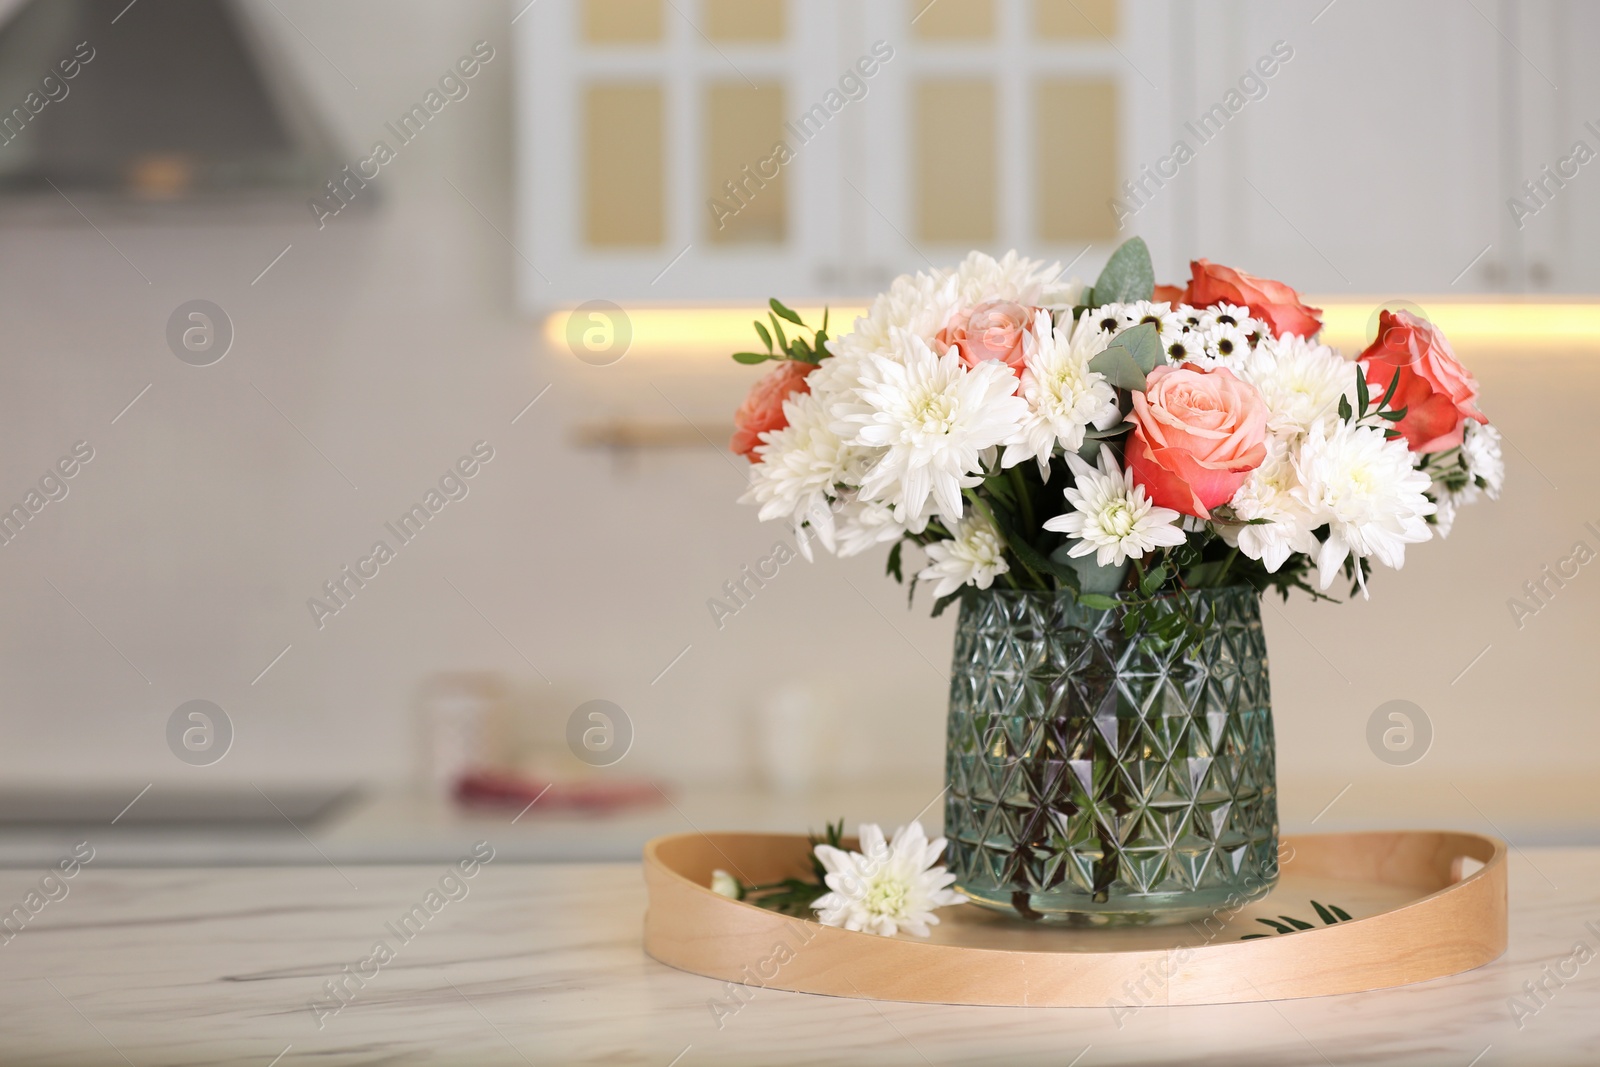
<point x="713" y="333"/>
<point x="1350" y="325"/>
<point x="701" y="332"/>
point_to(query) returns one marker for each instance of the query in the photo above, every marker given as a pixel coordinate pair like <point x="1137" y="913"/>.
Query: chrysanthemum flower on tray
<point x="1050" y="436"/>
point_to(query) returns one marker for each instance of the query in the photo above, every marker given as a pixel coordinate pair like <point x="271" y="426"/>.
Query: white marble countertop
<point x="542" y="964"/>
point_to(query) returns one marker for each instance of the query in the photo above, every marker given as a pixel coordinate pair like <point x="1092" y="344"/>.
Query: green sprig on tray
<point x="1332" y="915"/>
<point x="794" y="896"/>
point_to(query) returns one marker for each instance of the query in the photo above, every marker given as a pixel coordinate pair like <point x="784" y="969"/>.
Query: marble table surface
<point x="542" y="964"/>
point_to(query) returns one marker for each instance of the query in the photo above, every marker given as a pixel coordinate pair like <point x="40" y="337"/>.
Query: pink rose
<point x="992" y="330"/>
<point x="1438" y="393"/>
<point x="1273" y="302"/>
<point x="1197" y="436"/>
<point x="762" y="409"/>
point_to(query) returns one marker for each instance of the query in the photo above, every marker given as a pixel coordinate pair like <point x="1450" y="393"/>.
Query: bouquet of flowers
<point x="1125" y="442"/>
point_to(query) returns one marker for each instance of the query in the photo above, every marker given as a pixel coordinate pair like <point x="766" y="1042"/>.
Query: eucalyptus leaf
<point x="1128" y="275"/>
<point x="1120" y="367"/>
<point x="1144" y="343"/>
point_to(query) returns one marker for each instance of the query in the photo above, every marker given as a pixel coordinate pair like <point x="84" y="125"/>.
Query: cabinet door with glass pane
<point x="648" y="155"/>
<point x="1007" y="124"/>
<point x="730" y="149"/>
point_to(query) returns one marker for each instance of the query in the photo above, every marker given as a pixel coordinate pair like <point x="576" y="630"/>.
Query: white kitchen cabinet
<point x="1358" y="146"/>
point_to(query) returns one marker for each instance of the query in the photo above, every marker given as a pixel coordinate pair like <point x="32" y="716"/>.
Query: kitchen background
<point x="375" y="335"/>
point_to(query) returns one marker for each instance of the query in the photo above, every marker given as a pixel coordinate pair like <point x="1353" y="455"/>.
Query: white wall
<point x="193" y="539"/>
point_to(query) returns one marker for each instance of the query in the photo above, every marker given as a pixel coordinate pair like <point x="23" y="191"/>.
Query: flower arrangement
<point x="1127" y="442"/>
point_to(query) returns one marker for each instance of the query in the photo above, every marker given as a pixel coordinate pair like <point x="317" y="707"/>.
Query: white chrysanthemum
<point x="887" y="886"/>
<point x="1300" y="380"/>
<point x="1030" y="282"/>
<point x="1218" y="336"/>
<point x="921" y="304"/>
<point x="800" y="466"/>
<point x="1231" y="315"/>
<point x="1366" y="490"/>
<point x="1269" y="493"/>
<point x="934" y="420"/>
<point x="1456" y="474"/>
<point x="975" y="557"/>
<point x="1225" y="344"/>
<point x="859" y="525"/>
<point x="1481" y="449"/>
<point x="1064" y="396"/>
<point x="1160" y="314"/>
<point x="1111" y="516"/>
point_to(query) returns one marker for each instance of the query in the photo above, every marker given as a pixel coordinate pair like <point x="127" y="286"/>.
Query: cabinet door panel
<point x="1367" y="162"/>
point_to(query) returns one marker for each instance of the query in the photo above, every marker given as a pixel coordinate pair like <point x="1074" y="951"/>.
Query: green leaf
<point x="1144" y="343"/>
<point x="1324" y="914"/>
<point x="1388" y="393"/>
<point x="1363" y="398"/>
<point x="1344" y="916"/>
<point x="765" y="336"/>
<point x="944" y="602"/>
<point x="1153" y="579"/>
<point x="1393" y="416"/>
<point x="1120" y="367"/>
<point x="785" y="313"/>
<point x="801" y="351"/>
<point x="1282" y="929"/>
<point x="894" y="562"/>
<point x="1253" y="937"/>
<point x="1345" y="411"/>
<point x="783" y="342"/>
<point x="1092" y="434"/>
<point x="1098" y="601"/>
<point x="1298" y="924"/>
<point x="1128" y="275"/>
<point x="751" y="357"/>
<point x="824" y="321"/>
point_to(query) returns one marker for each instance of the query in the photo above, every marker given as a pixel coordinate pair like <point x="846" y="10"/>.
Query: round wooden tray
<point x="1423" y="905"/>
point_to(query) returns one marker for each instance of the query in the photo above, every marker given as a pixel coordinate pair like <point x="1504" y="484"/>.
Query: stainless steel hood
<point x="157" y="101"/>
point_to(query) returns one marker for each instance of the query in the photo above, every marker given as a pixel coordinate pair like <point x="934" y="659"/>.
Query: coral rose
<point x="762" y="409"/>
<point x="1197" y="436"/>
<point x="1275" y="303"/>
<point x="991" y="330"/>
<point x="1438" y="393"/>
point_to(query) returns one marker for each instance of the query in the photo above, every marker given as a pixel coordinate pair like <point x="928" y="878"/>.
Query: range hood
<point x="154" y="101"/>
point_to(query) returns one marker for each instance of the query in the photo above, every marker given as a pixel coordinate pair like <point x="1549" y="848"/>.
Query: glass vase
<point x="1100" y="777"/>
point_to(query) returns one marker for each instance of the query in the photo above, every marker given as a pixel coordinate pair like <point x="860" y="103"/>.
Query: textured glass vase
<point x="1097" y="777"/>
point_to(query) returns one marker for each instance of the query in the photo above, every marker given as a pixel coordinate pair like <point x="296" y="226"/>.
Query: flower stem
<point x="1024" y="496"/>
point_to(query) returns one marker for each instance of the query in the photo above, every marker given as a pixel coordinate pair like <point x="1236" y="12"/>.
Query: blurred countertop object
<point x="507" y="963"/>
<point x="383" y="826"/>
